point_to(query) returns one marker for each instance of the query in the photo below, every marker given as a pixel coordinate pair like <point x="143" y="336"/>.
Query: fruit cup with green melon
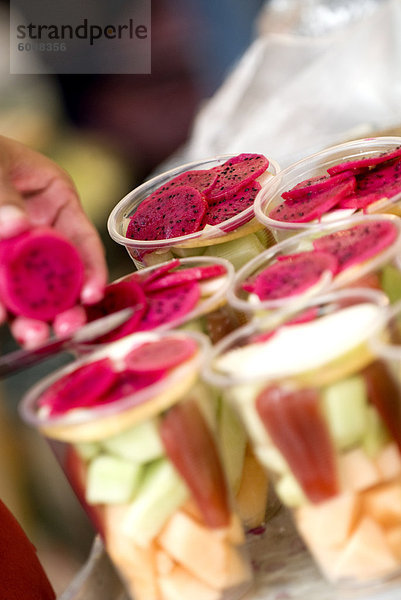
<point x="200" y="208"/>
<point x="359" y="176"/>
<point x="135" y="432"/>
<point x="324" y="416"/>
<point x="362" y="251"/>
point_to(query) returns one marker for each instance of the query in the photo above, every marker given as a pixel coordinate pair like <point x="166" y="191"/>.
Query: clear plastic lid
<point x="314" y="165"/>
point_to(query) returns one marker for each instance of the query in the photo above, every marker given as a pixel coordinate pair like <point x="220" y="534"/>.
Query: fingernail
<point x="13" y="220"/>
<point x="91" y="293"/>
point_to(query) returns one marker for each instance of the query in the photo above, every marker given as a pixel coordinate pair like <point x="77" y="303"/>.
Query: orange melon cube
<point x="182" y="585"/>
<point x="367" y="555"/>
<point x="383" y="504"/>
<point x="393" y="537"/>
<point x="357" y="471"/>
<point x="164" y="563"/>
<point x="329" y="523"/>
<point x="137" y="565"/>
<point x="389" y="462"/>
<point x="201" y="551"/>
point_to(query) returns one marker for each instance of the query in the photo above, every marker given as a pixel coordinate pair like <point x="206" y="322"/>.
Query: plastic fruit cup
<point x="210" y="314"/>
<point x="146" y="467"/>
<point x="381" y="270"/>
<point x="324" y="416"/>
<point x="208" y="240"/>
<point x="314" y="165"/>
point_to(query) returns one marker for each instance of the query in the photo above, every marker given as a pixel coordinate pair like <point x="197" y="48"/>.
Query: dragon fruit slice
<point x="41" y="274"/>
<point x="170" y="214"/>
<point x="357" y="244"/>
<point x="377" y="183"/>
<point x="147" y="278"/>
<point x="235" y="174"/>
<point x="80" y="388"/>
<point x="202" y="180"/>
<point x="312" y="206"/>
<point x="369" y="161"/>
<point x="185" y="276"/>
<point x="124" y="294"/>
<point x="316" y="184"/>
<point x="128" y="383"/>
<point x="292" y="275"/>
<point x="160" y="355"/>
<point x="221" y="210"/>
<point x="169" y="305"/>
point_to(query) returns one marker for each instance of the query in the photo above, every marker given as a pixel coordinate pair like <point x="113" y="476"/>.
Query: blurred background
<point x="281" y="77"/>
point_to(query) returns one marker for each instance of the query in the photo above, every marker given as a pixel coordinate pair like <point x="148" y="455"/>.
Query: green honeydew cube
<point x="140" y="443"/>
<point x="391" y="282"/>
<point x="87" y="450"/>
<point x="345" y="406"/>
<point x="160" y="494"/>
<point x="232" y="439"/>
<point x="238" y="251"/>
<point x="112" y="480"/>
<point x="376" y="434"/>
<point x="290" y="492"/>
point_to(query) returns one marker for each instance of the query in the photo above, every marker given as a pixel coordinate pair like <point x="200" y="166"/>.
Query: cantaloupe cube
<point x="136" y="565"/>
<point x="234" y="533"/>
<point x="251" y="499"/>
<point x="393" y="537"/>
<point x="164" y="563"/>
<point x="389" y="462"/>
<point x="199" y="550"/>
<point x="357" y="471"/>
<point x="329" y="523"/>
<point x="367" y="555"/>
<point x="182" y="585"/>
<point x="383" y="504"/>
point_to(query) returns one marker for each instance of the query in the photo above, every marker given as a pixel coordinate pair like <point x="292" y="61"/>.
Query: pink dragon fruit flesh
<point x="41" y="274"/>
<point x="312" y="206"/>
<point x="222" y="210"/>
<point x="358" y="243"/>
<point x="171" y="214"/>
<point x="291" y="275"/>
<point x="368" y="161"/>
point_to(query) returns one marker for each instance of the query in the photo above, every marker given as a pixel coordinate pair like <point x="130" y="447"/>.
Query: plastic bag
<point x="299" y="88"/>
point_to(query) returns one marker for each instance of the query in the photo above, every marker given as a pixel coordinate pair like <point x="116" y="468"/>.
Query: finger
<point x="3" y="314"/>
<point x="13" y="216"/>
<point x="69" y="321"/>
<point x="29" y="333"/>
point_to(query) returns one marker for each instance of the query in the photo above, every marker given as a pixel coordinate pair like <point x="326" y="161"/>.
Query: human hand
<point x="34" y="191"/>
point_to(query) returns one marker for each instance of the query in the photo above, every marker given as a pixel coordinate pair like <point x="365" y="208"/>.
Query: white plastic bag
<point x="295" y="92"/>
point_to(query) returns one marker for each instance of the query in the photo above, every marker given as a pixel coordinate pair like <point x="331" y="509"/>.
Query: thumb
<point x="13" y="216"/>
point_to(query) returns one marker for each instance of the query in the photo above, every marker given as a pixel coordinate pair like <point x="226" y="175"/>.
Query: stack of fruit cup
<point x="200" y="208"/>
<point x="332" y="185"/>
<point x="362" y="251"/>
<point x="134" y="429"/>
<point x="324" y="416"/>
